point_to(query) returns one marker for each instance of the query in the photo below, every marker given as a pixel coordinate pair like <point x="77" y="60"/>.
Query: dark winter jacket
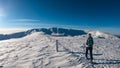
<point x="90" y="42"/>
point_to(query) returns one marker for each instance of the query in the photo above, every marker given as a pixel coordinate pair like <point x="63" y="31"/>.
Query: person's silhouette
<point x="89" y="46"/>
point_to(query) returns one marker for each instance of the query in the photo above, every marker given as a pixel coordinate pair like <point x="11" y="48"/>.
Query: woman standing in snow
<point x="89" y="47"/>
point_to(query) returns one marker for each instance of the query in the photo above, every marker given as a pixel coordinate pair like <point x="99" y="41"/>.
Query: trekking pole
<point x="84" y="47"/>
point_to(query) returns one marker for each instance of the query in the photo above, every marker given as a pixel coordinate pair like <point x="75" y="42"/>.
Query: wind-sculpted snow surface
<point x="37" y="50"/>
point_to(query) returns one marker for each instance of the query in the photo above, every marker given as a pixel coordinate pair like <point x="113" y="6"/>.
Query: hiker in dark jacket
<point x="89" y="47"/>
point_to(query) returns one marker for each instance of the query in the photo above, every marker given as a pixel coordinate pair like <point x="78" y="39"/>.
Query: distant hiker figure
<point x="89" y="47"/>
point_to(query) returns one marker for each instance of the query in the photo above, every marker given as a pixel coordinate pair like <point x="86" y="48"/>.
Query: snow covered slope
<point x="38" y="50"/>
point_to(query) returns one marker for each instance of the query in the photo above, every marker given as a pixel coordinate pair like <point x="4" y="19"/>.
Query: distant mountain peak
<point x="99" y="34"/>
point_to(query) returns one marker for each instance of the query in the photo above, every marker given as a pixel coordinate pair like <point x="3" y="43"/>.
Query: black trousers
<point x="90" y="50"/>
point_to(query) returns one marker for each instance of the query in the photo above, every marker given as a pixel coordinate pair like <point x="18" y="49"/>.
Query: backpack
<point x="89" y="41"/>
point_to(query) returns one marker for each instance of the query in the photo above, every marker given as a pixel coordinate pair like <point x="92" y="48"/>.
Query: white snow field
<point x="39" y="51"/>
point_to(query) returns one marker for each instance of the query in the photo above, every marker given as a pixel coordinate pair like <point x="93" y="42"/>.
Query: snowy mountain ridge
<point x="57" y="32"/>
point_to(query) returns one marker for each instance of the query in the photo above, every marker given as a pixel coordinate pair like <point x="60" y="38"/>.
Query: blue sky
<point x="101" y="15"/>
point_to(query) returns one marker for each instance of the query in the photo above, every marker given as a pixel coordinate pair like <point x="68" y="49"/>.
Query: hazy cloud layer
<point x="26" y="20"/>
